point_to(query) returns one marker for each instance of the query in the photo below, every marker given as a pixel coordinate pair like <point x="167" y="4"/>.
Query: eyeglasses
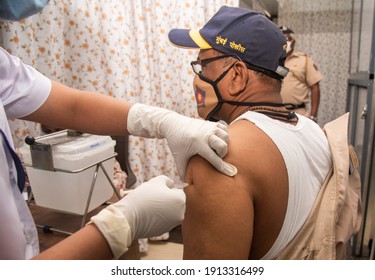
<point x="198" y="65"/>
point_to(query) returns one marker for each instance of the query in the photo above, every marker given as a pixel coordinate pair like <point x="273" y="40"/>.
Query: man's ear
<point x="238" y="79"/>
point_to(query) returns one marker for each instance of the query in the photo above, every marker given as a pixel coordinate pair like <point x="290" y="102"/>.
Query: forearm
<point x="87" y="243"/>
<point x="151" y="209"/>
<point x="315" y="100"/>
<point x="83" y="111"/>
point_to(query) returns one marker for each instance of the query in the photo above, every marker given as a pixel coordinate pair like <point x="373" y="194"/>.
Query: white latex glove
<point x="186" y="136"/>
<point x="149" y="210"/>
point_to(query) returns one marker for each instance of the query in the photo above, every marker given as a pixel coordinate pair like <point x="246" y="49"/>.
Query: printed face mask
<point x="20" y="9"/>
<point x="206" y="98"/>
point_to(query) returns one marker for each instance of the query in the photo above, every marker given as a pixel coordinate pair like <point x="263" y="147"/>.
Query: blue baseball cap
<point x="250" y="35"/>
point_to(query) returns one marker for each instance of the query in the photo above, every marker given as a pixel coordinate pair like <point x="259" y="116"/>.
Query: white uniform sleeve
<point x="23" y="89"/>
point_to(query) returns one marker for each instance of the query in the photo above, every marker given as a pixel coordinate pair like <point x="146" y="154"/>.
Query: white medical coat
<point x="22" y="91"/>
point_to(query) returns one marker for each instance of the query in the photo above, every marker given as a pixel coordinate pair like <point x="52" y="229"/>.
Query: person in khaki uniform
<point x="303" y="78"/>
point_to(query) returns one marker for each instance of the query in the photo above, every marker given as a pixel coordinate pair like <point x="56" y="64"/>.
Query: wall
<point x="323" y="31"/>
<point x="362" y="104"/>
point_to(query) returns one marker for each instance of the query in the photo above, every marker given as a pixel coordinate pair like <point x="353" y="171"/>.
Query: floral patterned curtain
<point x="118" y="48"/>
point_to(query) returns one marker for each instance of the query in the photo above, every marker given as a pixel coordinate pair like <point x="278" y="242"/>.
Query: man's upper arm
<point x="219" y="214"/>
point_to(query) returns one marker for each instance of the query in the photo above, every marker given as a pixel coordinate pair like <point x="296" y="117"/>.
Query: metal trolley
<point x="42" y="158"/>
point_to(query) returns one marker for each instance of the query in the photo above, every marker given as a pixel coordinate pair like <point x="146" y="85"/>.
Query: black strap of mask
<point x="219" y="98"/>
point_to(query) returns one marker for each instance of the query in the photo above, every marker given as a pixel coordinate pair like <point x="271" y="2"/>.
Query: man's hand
<point x="185" y="136"/>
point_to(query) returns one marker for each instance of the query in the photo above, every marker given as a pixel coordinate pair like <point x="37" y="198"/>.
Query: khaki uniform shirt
<point x="303" y="73"/>
<point x="337" y="212"/>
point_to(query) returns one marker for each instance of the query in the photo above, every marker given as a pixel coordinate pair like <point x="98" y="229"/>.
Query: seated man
<point x="282" y="157"/>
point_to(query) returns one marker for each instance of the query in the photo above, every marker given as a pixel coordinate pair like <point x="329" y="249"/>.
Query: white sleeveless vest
<point x="307" y="156"/>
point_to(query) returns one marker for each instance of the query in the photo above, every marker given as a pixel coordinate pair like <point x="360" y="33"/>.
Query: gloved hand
<point x="149" y="210"/>
<point x="186" y="136"/>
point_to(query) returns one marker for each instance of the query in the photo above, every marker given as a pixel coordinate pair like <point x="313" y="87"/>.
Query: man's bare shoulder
<point x="249" y="149"/>
<point x="220" y="209"/>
